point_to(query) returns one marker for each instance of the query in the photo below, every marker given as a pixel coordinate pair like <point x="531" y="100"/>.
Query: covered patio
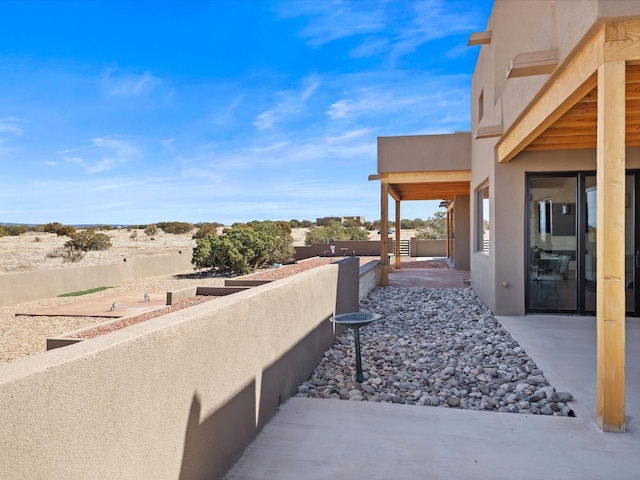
<point x="426" y="167"/>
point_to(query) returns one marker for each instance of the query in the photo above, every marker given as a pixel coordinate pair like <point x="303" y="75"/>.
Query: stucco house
<point x="544" y="191"/>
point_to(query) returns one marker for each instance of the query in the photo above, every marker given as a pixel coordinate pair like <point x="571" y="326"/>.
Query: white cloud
<point x="105" y="153"/>
<point x="332" y="20"/>
<point x="12" y="126"/>
<point x="288" y="104"/>
<point x="117" y="84"/>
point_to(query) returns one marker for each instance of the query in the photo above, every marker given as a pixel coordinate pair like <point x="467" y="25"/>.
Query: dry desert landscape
<point x="26" y="335"/>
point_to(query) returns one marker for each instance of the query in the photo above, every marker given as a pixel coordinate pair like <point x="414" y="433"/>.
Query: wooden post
<point x="397" y="234"/>
<point x="384" y="238"/>
<point x="610" y="238"/>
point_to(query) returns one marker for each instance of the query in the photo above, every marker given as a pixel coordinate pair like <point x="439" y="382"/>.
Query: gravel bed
<point x="435" y="347"/>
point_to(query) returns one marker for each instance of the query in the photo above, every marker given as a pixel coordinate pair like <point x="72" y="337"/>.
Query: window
<point x="480" y="106"/>
<point x="482" y="221"/>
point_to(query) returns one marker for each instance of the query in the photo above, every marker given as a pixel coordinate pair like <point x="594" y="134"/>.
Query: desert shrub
<point x="59" y="229"/>
<point x="133" y="235"/>
<point x="206" y="229"/>
<point x="175" y="228"/>
<point x="243" y="248"/>
<point x="89" y="240"/>
<point x="306" y="224"/>
<point x="151" y="230"/>
<point x="67" y="230"/>
<point x="72" y="254"/>
<point x="68" y="254"/>
<point x="15" y="230"/>
<point x="37" y="239"/>
<point x="334" y="231"/>
<point x="434" y="228"/>
<point x="294" y="223"/>
<point x="3" y="231"/>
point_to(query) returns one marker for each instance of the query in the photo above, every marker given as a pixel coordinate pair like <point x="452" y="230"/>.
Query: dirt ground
<point x="37" y="251"/>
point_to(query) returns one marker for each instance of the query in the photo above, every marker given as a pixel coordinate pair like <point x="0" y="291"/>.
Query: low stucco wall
<point x="428" y="248"/>
<point x="27" y="286"/>
<point x="369" y="277"/>
<point x="362" y="248"/>
<point x="177" y="397"/>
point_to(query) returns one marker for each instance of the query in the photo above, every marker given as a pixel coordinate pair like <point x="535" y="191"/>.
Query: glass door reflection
<point x="552" y="243"/>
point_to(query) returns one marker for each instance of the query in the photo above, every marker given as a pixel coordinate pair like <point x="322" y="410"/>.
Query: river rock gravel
<point x="435" y="347"/>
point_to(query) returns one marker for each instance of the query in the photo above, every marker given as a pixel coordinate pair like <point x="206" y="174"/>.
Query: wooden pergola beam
<point x="426" y="177"/>
<point x="384" y="239"/>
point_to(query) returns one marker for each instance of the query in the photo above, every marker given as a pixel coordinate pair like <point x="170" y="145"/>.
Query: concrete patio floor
<point x="322" y="439"/>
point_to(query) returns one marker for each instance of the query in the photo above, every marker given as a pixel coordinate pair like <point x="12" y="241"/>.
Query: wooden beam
<point x="384" y="239"/>
<point x="398" y="235"/>
<point x="563" y="90"/>
<point x="479" y="38"/>
<point x="426" y="177"/>
<point x="622" y="41"/>
<point x="393" y="191"/>
<point x="533" y="63"/>
<point x="610" y="240"/>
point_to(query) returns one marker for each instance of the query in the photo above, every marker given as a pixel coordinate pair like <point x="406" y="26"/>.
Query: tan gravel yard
<point x="26" y="335"/>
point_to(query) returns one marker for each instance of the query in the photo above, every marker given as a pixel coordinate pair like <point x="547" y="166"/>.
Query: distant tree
<point x="15" y="230"/>
<point x="352" y="223"/>
<point x="294" y="223"/>
<point x="151" y="230"/>
<point x="244" y="247"/>
<point x="89" y="240"/>
<point x="406" y="224"/>
<point x="175" y="228"/>
<point x="334" y="231"/>
<point x="3" y="231"/>
<point x="434" y="228"/>
<point x="206" y="229"/>
<point x="306" y="224"/>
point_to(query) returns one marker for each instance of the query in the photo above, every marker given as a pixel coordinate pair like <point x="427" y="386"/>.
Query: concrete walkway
<point x="335" y="439"/>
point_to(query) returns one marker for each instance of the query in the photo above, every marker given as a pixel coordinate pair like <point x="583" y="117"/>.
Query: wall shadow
<point x="212" y="446"/>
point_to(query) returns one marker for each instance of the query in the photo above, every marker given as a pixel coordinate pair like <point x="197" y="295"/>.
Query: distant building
<point x="342" y="220"/>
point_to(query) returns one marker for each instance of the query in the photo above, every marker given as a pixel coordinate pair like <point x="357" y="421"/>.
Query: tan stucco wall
<point x="27" y="286"/>
<point x="428" y="248"/>
<point x="179" y="396"/>
<point x="462" y="222"/>
<point x="424" y="153"/>
<point x="363" y="248"/>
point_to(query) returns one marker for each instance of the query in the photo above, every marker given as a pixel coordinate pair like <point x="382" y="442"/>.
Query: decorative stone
<point x="438" y="348"/>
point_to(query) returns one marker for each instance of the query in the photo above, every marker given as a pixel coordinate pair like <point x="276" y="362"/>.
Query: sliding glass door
<point x="561" y="235"/>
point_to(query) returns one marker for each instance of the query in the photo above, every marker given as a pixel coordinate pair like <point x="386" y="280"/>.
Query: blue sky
<point x="144" y="111"/>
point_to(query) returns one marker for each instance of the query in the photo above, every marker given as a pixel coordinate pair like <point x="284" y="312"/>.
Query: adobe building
<point x="543" y="193"/>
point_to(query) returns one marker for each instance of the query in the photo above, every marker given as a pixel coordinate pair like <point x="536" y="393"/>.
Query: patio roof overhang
<point x="441" y="185"/>
<point x="564" y="114"/>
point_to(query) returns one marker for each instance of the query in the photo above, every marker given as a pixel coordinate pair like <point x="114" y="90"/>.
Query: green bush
<point x="3" y="231"/>
<point x="59" y="229"/>
<point x="206" y="229"/>
<point x="89" y="240"/>
<point x="175" y="228"/>
<point x="244" y="248"/>
<point x="334" y="231"/>
<point x="15" y="230"/>
<point x="151" y="230"/>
